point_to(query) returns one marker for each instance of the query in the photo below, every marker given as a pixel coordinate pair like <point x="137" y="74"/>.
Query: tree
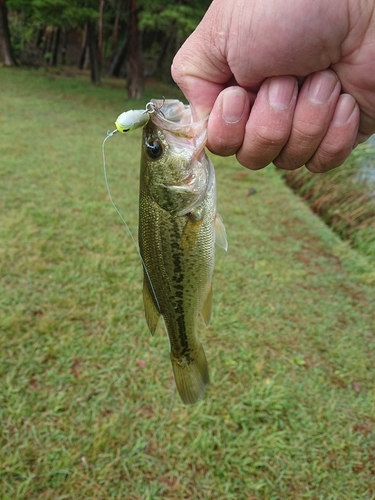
<point x="5" y="44"/>
<point x="93" y="52"/>
<point x="166" y="24"/>
<point x="145" y="32"/>
<point x="65" y="14"/>
<point x="100" y="31"/>
<point x="119" y="59"/>
<point x="135" y="75"/>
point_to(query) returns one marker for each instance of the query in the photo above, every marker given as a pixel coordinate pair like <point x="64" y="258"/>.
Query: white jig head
<point x="132" y="119"/>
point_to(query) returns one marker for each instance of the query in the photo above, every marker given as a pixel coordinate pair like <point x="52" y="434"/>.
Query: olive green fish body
<point x="177" y="214"/>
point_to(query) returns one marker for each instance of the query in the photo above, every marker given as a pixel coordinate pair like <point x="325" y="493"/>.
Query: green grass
<point x="343" y="201"/>
<point x="290" y="413"/>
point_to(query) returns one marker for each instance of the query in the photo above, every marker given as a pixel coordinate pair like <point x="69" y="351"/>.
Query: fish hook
<point x="152" y="108"/>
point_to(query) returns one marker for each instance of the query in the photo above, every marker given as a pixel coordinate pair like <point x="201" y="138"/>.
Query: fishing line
<point x="111" y="134"/>
<point x="125" y="122"/>
<point x="120" y="127"/>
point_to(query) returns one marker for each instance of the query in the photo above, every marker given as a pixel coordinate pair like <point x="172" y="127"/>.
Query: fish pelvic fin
<point x="191" y="375"/>
<point x="151" y="309"/>
<point x="220" y="233"/>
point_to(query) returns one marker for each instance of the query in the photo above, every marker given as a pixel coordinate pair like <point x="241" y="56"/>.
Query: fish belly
<point x="178" y="253"/>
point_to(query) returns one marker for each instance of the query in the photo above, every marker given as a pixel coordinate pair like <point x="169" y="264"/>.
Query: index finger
<point x="201" y="72"/>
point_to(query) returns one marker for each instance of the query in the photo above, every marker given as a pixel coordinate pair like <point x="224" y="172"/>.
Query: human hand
<point x="288" y="81"/>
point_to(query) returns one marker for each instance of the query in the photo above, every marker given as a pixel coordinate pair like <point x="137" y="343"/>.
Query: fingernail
<point x="344" y="109"/>
<point x="233" y="105"/>
<point x="281" y="92"/>
<point x="321" y="87"/>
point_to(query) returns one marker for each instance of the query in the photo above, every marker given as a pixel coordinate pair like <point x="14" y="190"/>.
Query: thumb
<point x="200" y="69"/>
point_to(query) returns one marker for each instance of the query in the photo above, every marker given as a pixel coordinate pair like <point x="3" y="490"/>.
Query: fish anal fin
<point x="190" y="233"/>
<point x="220" y="233"/>
<point x="151" y="309"/>
<point x="206" y="310"/>
<point x="191" y="375"/>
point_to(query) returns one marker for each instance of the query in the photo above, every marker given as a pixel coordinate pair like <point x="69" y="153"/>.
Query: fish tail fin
<point x="191" y="375"/>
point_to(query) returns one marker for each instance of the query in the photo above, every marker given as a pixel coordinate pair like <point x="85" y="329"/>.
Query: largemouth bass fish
<point x="178" y="226"/>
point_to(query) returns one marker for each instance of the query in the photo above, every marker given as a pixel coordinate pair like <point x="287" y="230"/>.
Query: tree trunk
<point x="135" y="76"/>
<point x="55" y="46"/>
<point x="47" y="47"/>
<point x="82" y="57"/>
<point x="119" y="59"/>
<point x="5" y="44"/>
<point x="64" y="46"/>
<point x="93" y="52"/>
<point x="100" y="32"/>
<point x="115" y="28"/>
<point x="40" y="35"/>
<point x="163" y="59"/>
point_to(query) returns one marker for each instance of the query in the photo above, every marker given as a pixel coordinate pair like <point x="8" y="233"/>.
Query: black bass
<point x="177" y="227"/>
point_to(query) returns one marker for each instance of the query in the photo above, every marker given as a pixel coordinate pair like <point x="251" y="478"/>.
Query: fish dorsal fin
<point x="206" y="310"/>
<point x="220" y="233"/>
<point x="152" y="312"/>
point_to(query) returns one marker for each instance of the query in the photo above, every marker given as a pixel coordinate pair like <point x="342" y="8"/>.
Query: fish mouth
<point x="175" y="119"/>
<point x="187" y="138"/>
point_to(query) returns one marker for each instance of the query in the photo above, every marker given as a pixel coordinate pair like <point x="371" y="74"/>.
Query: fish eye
<point x="154" y="150"/>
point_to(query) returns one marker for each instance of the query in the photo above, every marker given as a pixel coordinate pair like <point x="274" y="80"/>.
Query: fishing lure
<point x="132" y="119"/>
<point x="135" y="118"/>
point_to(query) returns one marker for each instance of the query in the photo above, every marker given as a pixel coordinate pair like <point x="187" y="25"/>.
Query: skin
<point x="285" y="81"/>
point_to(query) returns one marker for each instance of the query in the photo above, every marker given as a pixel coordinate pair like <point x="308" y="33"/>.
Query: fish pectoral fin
<point x="178" y="200"/>
<point x="206" y="310"/>
<point x="190" y="233"/>
<point x="191" y="374"/>
<point x="220" y="232"/>
<point x="152" y="312"/>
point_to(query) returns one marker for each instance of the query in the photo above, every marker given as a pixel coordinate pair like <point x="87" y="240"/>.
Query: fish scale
<point x="177" y="214"/>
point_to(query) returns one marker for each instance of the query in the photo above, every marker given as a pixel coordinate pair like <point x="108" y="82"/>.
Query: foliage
<point x="24" y="29"/>
<point x="58" y="13"/>
<point x="290" y="413"/>
<point x="181" y="19"/>
<point x="163" y="25"/>
<point x="345" y="202"/>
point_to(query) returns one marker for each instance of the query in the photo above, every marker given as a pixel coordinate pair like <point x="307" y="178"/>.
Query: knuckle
<point x="300" y="147"/>
<point x="225" y="144"/>
<point x="325" y="160"/>
<point x="177" y="69"/>
<point x="307" y="133"/>
<point x="250" y="163"/>
<point x="261" y="146"/>
<point x="222" y="148"/>
<point x="287" y="162"/>
<point x="268" y="136"/>
<point x="333" y="150"/>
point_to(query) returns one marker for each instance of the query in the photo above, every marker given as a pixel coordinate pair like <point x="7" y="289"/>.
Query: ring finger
<point x="312" y="116"/>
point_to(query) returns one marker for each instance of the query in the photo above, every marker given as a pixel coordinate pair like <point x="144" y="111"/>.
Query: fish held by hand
<point x="178" y="226"/>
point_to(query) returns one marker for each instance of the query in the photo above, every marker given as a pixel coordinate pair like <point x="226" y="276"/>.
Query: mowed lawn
<point x="290" y="412"/>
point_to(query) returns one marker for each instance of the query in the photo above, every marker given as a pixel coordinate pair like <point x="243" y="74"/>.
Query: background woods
<point x="130" y="39"/>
